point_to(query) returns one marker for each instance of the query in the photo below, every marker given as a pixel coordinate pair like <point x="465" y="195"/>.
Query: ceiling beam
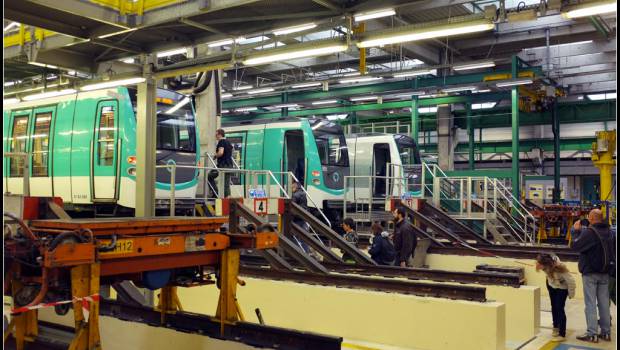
<point x="328" y="4"/>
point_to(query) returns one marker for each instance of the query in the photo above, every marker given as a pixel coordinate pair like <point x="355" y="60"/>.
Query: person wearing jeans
<point x="561" y="285"/>
<point x="594" y="246"/>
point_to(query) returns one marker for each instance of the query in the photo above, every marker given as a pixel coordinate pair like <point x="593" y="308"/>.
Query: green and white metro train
<point x="383" y="155"/>
<point x="82" y="148"/>
<point x="313" y="149"/>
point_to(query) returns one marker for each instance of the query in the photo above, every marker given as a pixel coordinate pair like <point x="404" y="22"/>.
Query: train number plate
<point x="123" y="246"/>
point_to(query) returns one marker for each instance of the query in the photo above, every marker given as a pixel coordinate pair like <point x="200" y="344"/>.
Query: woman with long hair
<point x="560" y="284"/>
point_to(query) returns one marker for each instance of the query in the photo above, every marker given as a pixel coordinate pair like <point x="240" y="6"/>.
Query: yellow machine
<point x="603" y="150"/>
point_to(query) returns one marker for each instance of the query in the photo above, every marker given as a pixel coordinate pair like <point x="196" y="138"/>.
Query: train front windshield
<point x="176" y="129"/>
<point x="331" y="143"/>
<point x="408" y="150"/>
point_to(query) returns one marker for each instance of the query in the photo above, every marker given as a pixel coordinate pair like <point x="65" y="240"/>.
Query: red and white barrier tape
<point x="85" y="301"/>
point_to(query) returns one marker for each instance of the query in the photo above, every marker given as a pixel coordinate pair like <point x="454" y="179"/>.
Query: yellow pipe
<point x="506" y="76"/>
<point x="602" y="156"/>
<point x="359" y="29"/>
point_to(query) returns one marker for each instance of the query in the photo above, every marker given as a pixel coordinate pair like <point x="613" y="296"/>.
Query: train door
<point x="237" y="140"/>
<point x="104" y="152"/>
<point x="18" y="143"/>
<point x="41" y="157"/>
<point x="380" y="160"/>
<point x="294" y="159"/>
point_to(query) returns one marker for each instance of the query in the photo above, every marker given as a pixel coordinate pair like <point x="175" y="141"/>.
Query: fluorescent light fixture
<point x="415" y="73"/>
<point x="481" y="91"/>
<point x="291" y="53"/>
<point x="459" y="88"/>
<point x="427" y="110"/>
<point x="475" y="65"/>
<point x="324" y="102"/>
<point x="10" y="101"/>
<point x="49" y="94"/>
<point x="246" y="109"/>
<point x="112" y="83"/>
<point x="336" y="116"/>
<point x="363" y="98"/>
<point x="176" y="107"/>
<point x="592" y="10"/>
<point x="305" y="85"/>
<point x="42" y="65"/>
<point x="600" y="97"/>
<point x="181" y="51"/>
<point x="128" y="60"/>
<point x="226" y="95"/>
<point x="483" y="105"/>
<point x="224" y="111"/>
<point x="580" y="97"/>
<point x="103" y="36"/>
<point x="11" y="83"/>
<point x="225" y="42"/>
<point x="10" y="26"/>
<point x="359" y="80"/>
<point x="374" y="14"/>
<point x="514" y="82"/>
<point x="429" y="96"/>
<point x="260" y="91"/>
<point x="352" y="74"/>
<point x="289" y="105"/>
<point x="294" y="29"/>
<point x="414" y="34"/>
<point x="409" y="94"/>
<point x="243" y="87"/>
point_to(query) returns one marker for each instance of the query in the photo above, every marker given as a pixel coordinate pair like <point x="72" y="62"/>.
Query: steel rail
<point x="424" y="289"/>
<point x="505" y="277"/>
<point x="529" y="252"/>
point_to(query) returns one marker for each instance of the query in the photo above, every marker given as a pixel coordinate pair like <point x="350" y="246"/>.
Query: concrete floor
<point x="576" y="325"/>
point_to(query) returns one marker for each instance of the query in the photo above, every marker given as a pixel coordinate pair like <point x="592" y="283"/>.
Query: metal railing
<point x="381" y="127"/>
<point x="252" y="180"/>
<point x="478" y="198"/>
<point x="360" y="193"/>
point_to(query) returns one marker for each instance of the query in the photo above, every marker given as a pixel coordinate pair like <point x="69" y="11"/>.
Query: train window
<point x="18" y="144"/>
<point x="176" y="133"/>
<point x="106" y="136"/>
<point x="40" y="144"/>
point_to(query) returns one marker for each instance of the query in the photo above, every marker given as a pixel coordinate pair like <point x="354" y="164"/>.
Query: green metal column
<point x="470" y="133"/>
<point x="556" y="152"/>
<point x="415" y="119"/>
<point x="285" y="100"/>
<point x="146" y="129"/>
<point x="515" y="132"/>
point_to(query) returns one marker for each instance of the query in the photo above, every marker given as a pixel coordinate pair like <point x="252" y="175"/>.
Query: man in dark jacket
<point x="382" y="250"/>
<point x="594" y="246"/>
<point x="405" y="239"/>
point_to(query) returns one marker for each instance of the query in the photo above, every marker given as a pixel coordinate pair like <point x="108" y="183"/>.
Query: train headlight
<point x="131" y="171"/>
<point x="316" y="181"/>
<point x="131" y="160"/>
<point x="316" y="173"/>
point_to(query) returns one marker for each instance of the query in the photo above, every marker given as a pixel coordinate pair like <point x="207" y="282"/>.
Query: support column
<point x="146" y="131"/>
<point x="556" y="152"/>
<point x="445" y="138"/>
<point x="515" y="133"/>
<point x="415" y="119"/>
<point x="470" y="133"/>
<point x="285" y="100"/>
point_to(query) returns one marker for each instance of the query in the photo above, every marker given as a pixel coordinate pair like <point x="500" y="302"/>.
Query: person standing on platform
<point x="560" y="284"/>
<point x="382" y="250"/>
<point x="405" y="239"/>
<point x="597" y="251"/>
<point x="223" y="155"/>
<point x="350" y="236"/>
